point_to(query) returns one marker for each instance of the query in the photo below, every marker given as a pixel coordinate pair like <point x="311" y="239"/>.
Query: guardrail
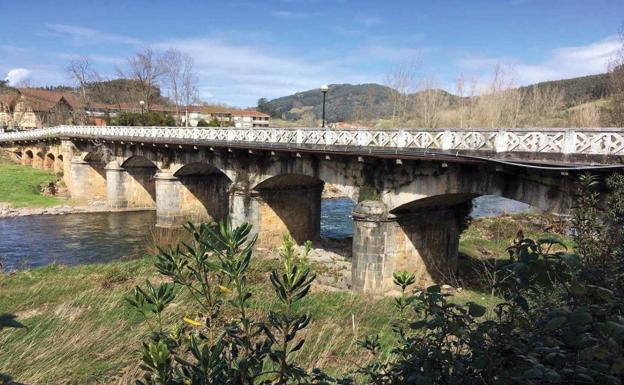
<point x="599" y="141"/>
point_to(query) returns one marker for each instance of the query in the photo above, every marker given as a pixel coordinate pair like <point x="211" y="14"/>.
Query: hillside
<point x="348" y="102"/>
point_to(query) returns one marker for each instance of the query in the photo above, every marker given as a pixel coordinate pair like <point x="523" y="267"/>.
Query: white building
<point x="249" y="119"/>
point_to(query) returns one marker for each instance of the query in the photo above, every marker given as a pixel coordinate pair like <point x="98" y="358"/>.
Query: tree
<point x="265" y="106"/>
<point x="81" y="71"/>
<point x="616" y="85"/>
<point x="147" y="68"/>
<point x="182" y="80"/>
<point x="430" y="102"/>
<point x="401" y="81"/>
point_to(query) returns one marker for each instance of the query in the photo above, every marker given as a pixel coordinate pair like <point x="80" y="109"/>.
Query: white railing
<point x="602" y="141"/>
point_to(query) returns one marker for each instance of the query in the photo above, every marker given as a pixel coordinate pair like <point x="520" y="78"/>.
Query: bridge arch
<point x="287" y="204"/>
<point x="38" y="160"/>
<point x="60" y="163"/>
<point x="49" y="162"/>
<point x="131" y="184"/>
<point x="27" y="158"/>
<point x="196" y="192"/>
<point x="87" y="178"/>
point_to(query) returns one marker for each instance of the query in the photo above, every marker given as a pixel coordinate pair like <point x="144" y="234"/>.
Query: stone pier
<point x="195" y="198"/>
<point x="88" y="181"/>
<point x="275" y="212"/>
<point x="425" y="243"/>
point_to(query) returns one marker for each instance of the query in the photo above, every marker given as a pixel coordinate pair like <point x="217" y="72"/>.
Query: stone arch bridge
<point x="412" y="185"/>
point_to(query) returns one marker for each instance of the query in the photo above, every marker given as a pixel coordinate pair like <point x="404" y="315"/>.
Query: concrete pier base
<point x="424" y="243"/>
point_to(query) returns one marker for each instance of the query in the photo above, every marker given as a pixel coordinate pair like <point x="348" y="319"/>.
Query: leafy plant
<point x="214" y="349"/>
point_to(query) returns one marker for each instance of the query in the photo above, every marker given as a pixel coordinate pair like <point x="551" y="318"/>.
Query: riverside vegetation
<point x="20" y="186"/>
<point x="210" y="313"/>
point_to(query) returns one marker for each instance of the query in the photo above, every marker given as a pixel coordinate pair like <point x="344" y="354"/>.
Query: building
<point x="6" y="107"/>
<point x="30" y="108"/>
<point x="250" y="119"/>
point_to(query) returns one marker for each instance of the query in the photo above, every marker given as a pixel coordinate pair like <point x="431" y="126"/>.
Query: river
<point x="35" y="241"/>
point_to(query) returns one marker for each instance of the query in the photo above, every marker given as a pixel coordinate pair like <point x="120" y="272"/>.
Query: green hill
<point x="348" y="102"/>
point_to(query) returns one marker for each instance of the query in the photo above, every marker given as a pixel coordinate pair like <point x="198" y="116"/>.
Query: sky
<point x="245" y="49"/>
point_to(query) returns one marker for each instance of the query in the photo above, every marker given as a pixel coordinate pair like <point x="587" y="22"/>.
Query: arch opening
<point x="49" y="162"/>
<point x="139" y="185"/>
<point x="38" y="160"/>
<point x="288" y="204"/>
<point x="28" y="158"/>
<point x="202" y="192"/>
<point x="435" y="240"/>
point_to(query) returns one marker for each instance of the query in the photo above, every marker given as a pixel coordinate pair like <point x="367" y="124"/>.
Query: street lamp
<point x="324" y="89"/>
<point x="142" y="103"/>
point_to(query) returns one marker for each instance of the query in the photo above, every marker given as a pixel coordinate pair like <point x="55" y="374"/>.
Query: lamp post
<point x="324" y="89"/>
<point x="142" y="103"/>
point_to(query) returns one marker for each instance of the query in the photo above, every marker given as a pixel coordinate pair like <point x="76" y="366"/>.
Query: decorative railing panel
<point x="601" y="141"/>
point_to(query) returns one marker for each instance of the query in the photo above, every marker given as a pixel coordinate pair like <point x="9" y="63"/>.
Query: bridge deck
<point x="552" y="147"/>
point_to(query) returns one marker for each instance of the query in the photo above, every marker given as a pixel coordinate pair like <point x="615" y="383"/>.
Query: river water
<point x="35" y="241"/>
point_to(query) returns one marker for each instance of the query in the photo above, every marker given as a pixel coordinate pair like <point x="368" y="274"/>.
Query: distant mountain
<point x="344" y="102"/>
<point x="348" y="102"/>
<point x="580" y="90"/>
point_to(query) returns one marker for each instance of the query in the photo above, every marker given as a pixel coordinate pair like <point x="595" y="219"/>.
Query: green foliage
<point x="202" y="123"/>
<point x="558" y="324"/>
<point x="147" y="118"/>
<point x="225" y="342"/>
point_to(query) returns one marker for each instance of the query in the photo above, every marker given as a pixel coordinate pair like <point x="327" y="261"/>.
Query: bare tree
<point x="543" y="103"/>
<point x="502" y="102"/>
<point x="401" y="81"/>
<point x="147" y="68"/>
<point x="81" y="71"/>
<point x="430" y="102"/>
<point x="182" y="80"/>
<point x="460" y="84"/>
<point x="616" y="84"/>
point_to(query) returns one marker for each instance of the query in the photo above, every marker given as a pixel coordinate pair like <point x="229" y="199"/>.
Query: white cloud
<point x="83" y="35"/>
<point x="560" y="63"/>
<point x="240" y="74"/>
<point x="17" y="75"/>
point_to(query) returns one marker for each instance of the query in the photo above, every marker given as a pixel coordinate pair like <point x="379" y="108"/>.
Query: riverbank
<point x="78" y="329"/>
<point x="20" y="186"/>
<point x="96" y="207"/>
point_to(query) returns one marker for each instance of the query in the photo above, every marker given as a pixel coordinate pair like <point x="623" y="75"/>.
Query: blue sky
<point x="246" y="49"/>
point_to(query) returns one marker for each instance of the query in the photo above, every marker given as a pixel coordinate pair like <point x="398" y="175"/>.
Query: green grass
<point x="19" y="186"/>
<point x="79" y="330"/>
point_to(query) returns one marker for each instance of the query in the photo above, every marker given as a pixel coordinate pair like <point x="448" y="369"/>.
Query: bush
<point x="148" y="118"/>
<point x="202" y="123"/>
<point x="210" y="347"/>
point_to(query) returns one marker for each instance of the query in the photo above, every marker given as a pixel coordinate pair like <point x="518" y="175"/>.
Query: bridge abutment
<point x="424" y="243"/>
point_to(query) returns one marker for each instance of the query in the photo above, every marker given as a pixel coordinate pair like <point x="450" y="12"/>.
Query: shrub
<point x="210" y="348"/>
